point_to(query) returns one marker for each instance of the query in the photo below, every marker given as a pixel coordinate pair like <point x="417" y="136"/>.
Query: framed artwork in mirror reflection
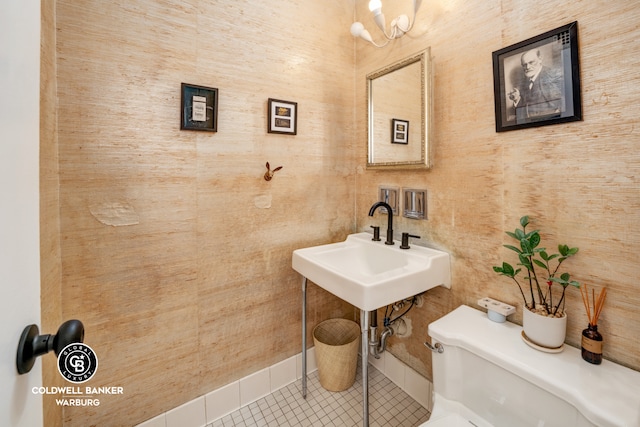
<point x="283" y="117"/>
<point x="537" y="81"/>
<point x="399" y="131"/>
<point x="199" y="108"/>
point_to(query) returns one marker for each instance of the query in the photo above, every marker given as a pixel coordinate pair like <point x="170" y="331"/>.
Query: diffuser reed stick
<point x="596" y="302"/>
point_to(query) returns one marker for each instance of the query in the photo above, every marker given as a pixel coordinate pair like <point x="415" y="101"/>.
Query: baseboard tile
<point x="231" y="397"/>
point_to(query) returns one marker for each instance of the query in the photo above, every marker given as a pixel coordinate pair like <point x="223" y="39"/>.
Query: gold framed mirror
<point x="399" y="114"/>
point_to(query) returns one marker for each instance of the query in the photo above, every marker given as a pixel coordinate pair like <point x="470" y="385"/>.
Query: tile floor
<point x="389" y="406"/>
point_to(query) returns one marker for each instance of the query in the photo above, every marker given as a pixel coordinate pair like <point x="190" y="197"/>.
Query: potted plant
<point x="544" y="318"/>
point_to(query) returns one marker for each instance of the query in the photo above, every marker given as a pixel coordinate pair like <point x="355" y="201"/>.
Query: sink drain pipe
<point x="377" y="348"/>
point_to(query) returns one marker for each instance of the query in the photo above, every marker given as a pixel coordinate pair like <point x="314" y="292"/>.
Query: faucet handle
<point x="405" y="240"/>
<point x="376" y="233"/>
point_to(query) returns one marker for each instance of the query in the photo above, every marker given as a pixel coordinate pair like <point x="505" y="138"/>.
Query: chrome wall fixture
<point x="415" y="203"/>
<point x="389" y="195"/>
<point x="399" y="26"/>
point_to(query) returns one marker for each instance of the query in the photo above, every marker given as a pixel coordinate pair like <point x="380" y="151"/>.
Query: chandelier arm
<point x="362" y="33"/>
<point x="397" y="31"/>
<point x="382" y="25"/>
<point x="394" y="32"/>
<point x="379" y="45"/>
<point x="416" y="6"/>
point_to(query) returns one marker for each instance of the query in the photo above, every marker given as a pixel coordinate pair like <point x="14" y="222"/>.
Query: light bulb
<point x="375" y="6"/>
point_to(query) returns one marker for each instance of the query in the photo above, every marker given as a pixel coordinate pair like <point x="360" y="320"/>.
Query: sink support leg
<point x="304" y="337"/>
<point x="364" y="327"/>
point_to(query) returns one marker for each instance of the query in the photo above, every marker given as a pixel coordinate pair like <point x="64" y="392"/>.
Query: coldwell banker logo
<point x="77" y="363"/>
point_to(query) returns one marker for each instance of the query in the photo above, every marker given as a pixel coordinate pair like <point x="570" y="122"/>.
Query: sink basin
<point x="369" y="274"/>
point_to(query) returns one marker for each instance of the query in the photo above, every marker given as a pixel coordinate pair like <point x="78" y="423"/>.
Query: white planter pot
<point x="547" y="332"/>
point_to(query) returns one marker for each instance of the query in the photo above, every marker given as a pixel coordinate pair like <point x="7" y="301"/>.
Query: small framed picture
<point x="199" y="108"/>
<point x="283" y="116"/>
<point x="537" y="81"/>
<point x="399" y="131"/>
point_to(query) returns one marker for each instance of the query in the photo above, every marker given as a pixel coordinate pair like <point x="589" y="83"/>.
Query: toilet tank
<point x="487" y="369"/>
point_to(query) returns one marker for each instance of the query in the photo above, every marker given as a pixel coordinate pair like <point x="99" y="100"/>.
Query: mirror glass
<point x="399" y="114"/>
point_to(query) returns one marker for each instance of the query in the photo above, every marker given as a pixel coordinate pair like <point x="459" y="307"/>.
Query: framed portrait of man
<point x="537" y="81"/>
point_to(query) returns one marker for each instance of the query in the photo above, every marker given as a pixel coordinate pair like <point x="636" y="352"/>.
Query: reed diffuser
<point x="591" y="338"/>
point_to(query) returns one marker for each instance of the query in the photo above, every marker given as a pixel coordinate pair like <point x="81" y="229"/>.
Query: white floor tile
<point x="388" y="406"/>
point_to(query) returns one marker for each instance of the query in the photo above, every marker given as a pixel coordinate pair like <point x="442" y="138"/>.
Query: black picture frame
<point x="199" y="108"/>
<point x="553" y="95"/>
<point x="399" y="131"/>
<point x="283" y="117"/>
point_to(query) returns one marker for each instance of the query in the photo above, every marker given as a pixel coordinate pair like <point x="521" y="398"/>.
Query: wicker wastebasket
<point x="336" y="342"/>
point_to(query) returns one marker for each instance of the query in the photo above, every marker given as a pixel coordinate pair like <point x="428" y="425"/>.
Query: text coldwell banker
<point x="78" y="390"/>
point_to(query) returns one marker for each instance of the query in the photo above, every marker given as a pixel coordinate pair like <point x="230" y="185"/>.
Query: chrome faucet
<point x="375" y="206"/>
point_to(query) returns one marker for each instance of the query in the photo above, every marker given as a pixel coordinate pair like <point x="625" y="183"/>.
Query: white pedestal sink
<point x="368" y="275"/>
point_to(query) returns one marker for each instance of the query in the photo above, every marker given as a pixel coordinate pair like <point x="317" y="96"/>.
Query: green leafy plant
<point x="538" y="264"/>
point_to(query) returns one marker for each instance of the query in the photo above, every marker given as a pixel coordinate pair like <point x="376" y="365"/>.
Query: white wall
<point x="19" y="240"/>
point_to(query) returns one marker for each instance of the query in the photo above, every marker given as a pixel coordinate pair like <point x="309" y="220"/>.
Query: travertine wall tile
<point x="176" y="254"/>
<point x="200" y="292"/>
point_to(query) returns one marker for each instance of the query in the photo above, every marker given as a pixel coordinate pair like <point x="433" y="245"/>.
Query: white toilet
<point x="487" y="376"/>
